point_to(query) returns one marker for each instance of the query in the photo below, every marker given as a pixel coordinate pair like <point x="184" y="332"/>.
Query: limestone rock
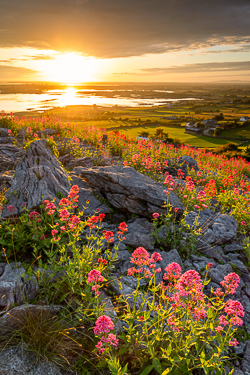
<point x="39" y="176"/>
<point x="14" y="287"/>
<point x="138" y="234"/>
<point x="215" y="227"/>
<point x="19" y="361"/>
<point x="86" y="194"/>
<point x="129" y="190"/>
<point x="9" y="155"/>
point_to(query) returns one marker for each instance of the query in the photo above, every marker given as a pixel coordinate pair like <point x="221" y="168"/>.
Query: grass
<point x="239" y="132"/>
<point x="193" y="140"/>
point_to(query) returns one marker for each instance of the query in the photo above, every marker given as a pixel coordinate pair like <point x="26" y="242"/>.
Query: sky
<point x="77" y="41"/>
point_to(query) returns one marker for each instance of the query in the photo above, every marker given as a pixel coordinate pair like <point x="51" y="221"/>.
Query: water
<point x="71" y="96"/>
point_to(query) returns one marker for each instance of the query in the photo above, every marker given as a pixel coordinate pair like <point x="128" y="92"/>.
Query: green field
<point x="193" y="140"/>
<point x="239" y="132"/>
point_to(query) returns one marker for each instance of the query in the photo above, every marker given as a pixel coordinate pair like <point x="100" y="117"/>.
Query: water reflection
<point x="71" y="96"/>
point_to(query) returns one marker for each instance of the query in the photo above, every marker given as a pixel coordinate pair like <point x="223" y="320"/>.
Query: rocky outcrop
<point x="128" y="190"/>
<point x="19" y="361"/>
<point x="39" y="176"/>
<point x="85" y="195"/>
<point x="15" y="287"/>
<point x="9" y="156"/>
<point x="216" y="228"/>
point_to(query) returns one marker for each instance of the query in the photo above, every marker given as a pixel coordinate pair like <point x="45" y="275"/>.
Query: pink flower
<point x="155" y="215"/>
<point x="140" y="257"/>
<point x="243" y="223"/>
<point x="11" y="208"/>
<point x="155" y="257"/>
<point x="94" y="276"/>
<point x="123" y="227"/>
<point x="109" y="236"/>
<point x="173" y="272"/>
<point x="103" y="325"/>
<point x="233" y="342"/>
<point x="54" y="232"/>
<point x="176" y="209"/>
<point x="219" y="329"/>
<point x="230" y="283"/>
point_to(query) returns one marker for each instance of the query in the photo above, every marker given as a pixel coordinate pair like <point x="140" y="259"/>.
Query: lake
<point x="71" y="96"/>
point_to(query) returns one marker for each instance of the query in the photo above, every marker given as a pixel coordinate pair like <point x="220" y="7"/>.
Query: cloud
<point x="15" y="73"/>
<point x="114" y="28"/>
<point x="238" y="66"/>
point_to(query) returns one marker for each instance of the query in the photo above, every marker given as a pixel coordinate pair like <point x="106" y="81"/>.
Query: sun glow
<point x="70" y="68"/>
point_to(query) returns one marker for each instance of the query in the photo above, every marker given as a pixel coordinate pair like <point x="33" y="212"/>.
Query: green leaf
<point x="157" y="365"/>
<point x="147" y="370"/>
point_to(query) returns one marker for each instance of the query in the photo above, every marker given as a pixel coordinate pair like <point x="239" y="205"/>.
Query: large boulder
<point x="215" y="227"/>
<point x="128" y="190"/>
<point x="39" y="176"/>
<point x="17" y="360"/>
<point x="15" y="287"/>
<point x="9" y="155"/>
<point x="86" y="194"/>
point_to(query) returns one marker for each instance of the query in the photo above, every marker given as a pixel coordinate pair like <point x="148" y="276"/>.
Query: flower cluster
<point x="95" y="277"/>
<point x="103" y="326"/>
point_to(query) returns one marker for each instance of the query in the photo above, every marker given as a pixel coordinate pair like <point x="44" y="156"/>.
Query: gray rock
<point x="187" y="161"/>
<point x="86" y="162"/>
<point x="6" y="140"/>
<point x="233" y="247"/>
<point x="138" y="234"/>
<point x="15" y="315"/>
<point x="218" y="273"/>
<point x="4" y="132"/>
<point x="245" y="364"/>
<point x="129" y="190"/>
<point x="169" y="257"/>
<point x="19" y="361"/>
<point x="39" y="176"/>
<point x="109" y="309"/>
<point x="240" y="269"/>
<point x="46" y="132"/>
<point x="237" y="371"/>
<point x="215" y="252"/>
<point x="15" y="287"/>
<point x="215" y="227"/>
<point x="86" y="194"/>
<point x="9" y="156"/>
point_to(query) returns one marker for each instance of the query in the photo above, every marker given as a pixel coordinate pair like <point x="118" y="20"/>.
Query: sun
<point x="70" y="68"/>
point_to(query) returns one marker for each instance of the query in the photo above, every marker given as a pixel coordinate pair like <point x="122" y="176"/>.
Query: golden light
<point x="70" y="68"/>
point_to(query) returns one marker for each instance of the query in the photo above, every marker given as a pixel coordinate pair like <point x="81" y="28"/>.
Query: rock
<point x="19" y="361"/>
<point x="240" y="269"/>
<point x="120" y="288"/>
<point x="169" y="257"/>
<point x="233" y="247"/>
<point x="6" y="140"/>
<point x="129" y="190"/>
<point x="215" y="227"/>
<point x="39" y="176"/>
<point x="109" y="309"/>
<point x="86" y="162"/>
<point x="138" y="234"/>
<point x="86" y="194"/>
<point x="237" y="371"/>
<point x="9" y="155"/>
<point x="4" y="132"/>
<point x="218" y="273"/>
<point x="15" y="287"/>
<point x="245" y="364"/>
<point x="215" y="252"/>
<point x="15" y="315"/>
<point x="46" y="132"/>
<point x="186" y="161"/>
